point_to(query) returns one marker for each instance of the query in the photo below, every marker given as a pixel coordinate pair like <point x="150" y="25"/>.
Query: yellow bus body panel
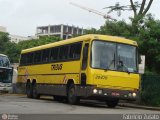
<point x="113" y="79"/>
<point x="44" y="74"/>
<point x="72" y="69"/>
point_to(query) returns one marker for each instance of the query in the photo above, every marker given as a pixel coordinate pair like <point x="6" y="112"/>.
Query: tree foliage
<point x="36" y="42"/>
<point x="4" y="40"/>
<point x="119" y="28"/>
<point x="139" y="10"/>
<point x="148" y="38"/>
<point x="13" y="50"/>
<point x="8" y="48"/>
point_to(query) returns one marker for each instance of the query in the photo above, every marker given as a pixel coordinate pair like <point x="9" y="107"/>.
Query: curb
<point x="139" y="106"/>
<point x="120" y="104"/>
<point x="11" y="94"/>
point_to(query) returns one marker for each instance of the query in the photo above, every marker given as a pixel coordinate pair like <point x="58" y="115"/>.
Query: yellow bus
<point x="96" y="67"/>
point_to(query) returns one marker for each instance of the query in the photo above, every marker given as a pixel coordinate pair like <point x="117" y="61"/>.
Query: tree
<point x="31" y="43"/>
<point x="13" y="50"/>
<point x="37" y="42"/>
<point x="8" y="48"/>
<point x="91" y="31"/>
<point x="139" y="11"/>
<point x="149" y="43"/>
<point x="120" y="28"/>
<point x="4" y="39"/>
<point x="148" y="38"/>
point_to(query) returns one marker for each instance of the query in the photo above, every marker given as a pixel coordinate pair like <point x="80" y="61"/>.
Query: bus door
<point x="84" y="64"/>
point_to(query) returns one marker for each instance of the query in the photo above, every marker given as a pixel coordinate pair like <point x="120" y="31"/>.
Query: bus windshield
<point x="5" y="75"/>
<point x="5" y="70"/>
<point x="4" y="61"/>
<point x="113" y="56"/>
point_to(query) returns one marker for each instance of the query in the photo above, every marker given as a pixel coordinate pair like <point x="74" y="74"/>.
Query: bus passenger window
<point x="23" y="59"/>
<point x="37" y="57"/>
<point x="45" y="56"/>
<point x="54" y="54"/>
<point x="75" y="51"/>
<point x="29" y="58"/>
<point x="63" y="55"/>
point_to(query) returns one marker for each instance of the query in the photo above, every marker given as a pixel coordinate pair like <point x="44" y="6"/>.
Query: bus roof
<point x="3" y="55"/>
<point x="82" y="38"/>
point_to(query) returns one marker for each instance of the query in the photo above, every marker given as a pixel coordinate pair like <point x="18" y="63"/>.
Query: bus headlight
<point x="95" y="91"/>
<point x="130" y="95"/>
<point x="134" y="94"/>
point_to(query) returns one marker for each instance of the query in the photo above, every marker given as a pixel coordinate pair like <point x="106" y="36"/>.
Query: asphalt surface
<point x="19" y="104"/>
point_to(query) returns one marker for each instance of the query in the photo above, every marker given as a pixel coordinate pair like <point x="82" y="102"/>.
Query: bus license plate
<point x="115" y="94"/>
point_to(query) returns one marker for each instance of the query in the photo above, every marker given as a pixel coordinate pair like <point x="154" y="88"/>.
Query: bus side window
<point x="23" y="60"/>
<point x="63" y="55"/>
<point x="37" y="57"/>
<point x="75" y="51"/>
<point x="45" y="55"/>
<point x="54" y="54"/>
<point x="29" y="58"/>
<point x="85" y="56"/>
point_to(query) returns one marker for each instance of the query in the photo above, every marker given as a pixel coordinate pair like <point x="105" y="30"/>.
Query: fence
<point x="150" y="90"/>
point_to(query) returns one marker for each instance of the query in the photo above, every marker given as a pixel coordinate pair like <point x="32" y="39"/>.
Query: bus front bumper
<point x="5" y="89"/>
<point x="106" y="93"/>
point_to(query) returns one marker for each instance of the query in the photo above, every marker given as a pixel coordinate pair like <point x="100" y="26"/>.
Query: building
<point x="17" y="38"/>
<point x="62" y="31"/>
<point x="3" y="29"/>
<point x="32" y="37"/>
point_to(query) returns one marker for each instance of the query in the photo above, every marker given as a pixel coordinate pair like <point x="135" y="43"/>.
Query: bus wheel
<point x="57" y="98"/>
<point x="29" y="91"/>
<point x="71" y="97"/>
<point x="112" y="103"/>
<point x="35" y="93"/>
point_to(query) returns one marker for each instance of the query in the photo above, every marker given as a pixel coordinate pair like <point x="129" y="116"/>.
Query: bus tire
<point x="35" y="93"/>
<point x="29" y="91"/>
<point x="112" y="103"/>
<point x="59" y="98"/>
<point x="71" y="96"/>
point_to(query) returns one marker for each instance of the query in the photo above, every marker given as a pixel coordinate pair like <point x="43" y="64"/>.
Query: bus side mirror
<point x="141" y="61"/>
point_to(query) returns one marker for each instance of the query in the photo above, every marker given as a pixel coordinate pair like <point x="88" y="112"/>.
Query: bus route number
<point x="56" y="66"/>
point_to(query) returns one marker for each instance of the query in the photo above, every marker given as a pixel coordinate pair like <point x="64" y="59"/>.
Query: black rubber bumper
<point x="105" y="93"/>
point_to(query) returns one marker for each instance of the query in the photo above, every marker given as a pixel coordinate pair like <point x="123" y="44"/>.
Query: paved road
<point x="19" y="104"/>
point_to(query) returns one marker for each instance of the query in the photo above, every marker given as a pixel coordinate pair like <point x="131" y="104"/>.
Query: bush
<point x="150" y="94"/>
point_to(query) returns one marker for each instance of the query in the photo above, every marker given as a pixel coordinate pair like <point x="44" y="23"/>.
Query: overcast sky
<point x="21" y="17"/>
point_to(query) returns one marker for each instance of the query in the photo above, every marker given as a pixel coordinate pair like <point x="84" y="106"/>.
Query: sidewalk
<point x="131" y="105"/>
<point x="121" y="103"/>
